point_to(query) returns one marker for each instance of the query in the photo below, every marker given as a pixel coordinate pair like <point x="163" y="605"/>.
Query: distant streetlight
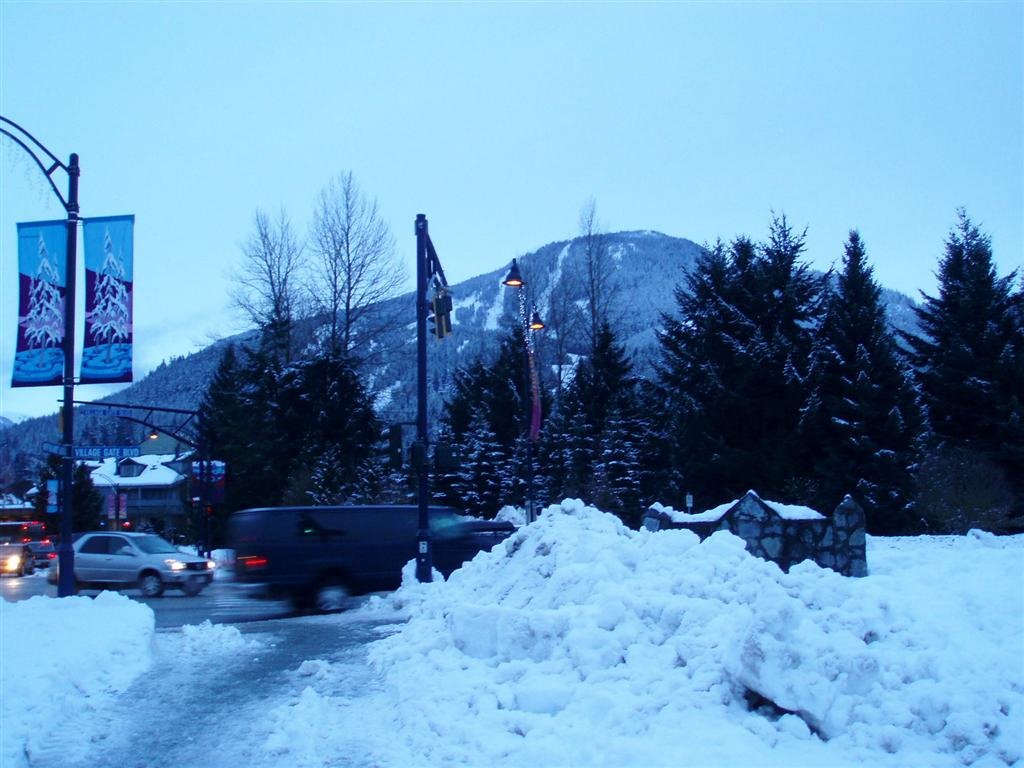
<point x="116" y="498"/>
<point x="531" y="323"/>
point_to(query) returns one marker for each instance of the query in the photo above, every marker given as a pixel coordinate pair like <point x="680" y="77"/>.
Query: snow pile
<point x="208" y="639"/>
<point x="62" y="656"/>
<point x="604" y="646"/>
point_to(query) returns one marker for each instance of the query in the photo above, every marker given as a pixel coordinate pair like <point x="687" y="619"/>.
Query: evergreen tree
<point x="478" y="480"/>
<point x="497" y="396"/>
<point x="591" y="446"/>
<point x="969" y="356"/>
<point x="325" y="405"/>
<point x="617" y="468"/>
<point x="861" y="422"/>
<point x="733" y="369"/>
<point x="305" y="432"/>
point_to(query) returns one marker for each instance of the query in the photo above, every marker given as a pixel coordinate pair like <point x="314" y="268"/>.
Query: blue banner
<point x="107" y="345"/>
<point x="42" y="284"/>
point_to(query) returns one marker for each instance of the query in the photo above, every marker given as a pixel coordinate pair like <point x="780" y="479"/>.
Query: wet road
<point x="222" y="602"/>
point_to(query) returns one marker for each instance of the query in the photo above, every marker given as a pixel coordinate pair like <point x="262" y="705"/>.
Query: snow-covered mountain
<point x="647" y="268"/>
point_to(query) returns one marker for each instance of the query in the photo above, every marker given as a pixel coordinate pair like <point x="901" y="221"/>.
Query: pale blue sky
<point x="498" y="121"/>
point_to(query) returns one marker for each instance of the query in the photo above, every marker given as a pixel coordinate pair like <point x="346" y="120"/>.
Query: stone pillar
<point x="849" y="539"/>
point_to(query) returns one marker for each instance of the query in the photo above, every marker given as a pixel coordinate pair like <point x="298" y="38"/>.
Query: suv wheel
<point x="330" y="597"/>
<point x="151" y="585"/>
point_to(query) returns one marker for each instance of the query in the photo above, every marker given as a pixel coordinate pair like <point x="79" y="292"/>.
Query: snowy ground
<point x="578" y="642"/>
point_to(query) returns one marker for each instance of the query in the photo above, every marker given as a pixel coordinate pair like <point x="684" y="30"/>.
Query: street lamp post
<point x="116" y="498"/>
<point x="531" y="322"/>
<point x="25" y="140"/>
<point x="199" y="444"/>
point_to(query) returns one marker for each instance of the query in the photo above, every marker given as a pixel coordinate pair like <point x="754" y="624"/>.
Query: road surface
<point x="222" y="602"/>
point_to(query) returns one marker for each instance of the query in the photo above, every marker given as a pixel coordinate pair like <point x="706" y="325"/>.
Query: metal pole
<point x="66" y="555"/>
<point x="423" y="554"/>
<point x="526" y="413"/>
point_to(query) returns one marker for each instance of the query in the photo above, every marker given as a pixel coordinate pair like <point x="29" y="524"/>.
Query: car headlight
<point x="210" y="565"/>
<point x="174" y="565"/>
<point x="12" y="562"/>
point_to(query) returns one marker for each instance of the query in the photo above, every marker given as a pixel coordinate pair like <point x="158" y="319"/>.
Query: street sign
<point x="55" y="448"/>
<point x="106" y="451"/>
<point x="103" y="410"/>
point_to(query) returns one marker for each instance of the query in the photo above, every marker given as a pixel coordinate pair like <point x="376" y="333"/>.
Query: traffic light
<point x="395" y="446"/>
<point x="441" y="314"/>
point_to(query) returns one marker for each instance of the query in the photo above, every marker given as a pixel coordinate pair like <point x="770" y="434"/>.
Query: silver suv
<point x="142" y="560"/>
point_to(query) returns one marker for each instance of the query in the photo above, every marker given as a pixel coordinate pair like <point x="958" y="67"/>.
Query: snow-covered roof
<point x="10" y="501"/>
<point x="713" y="515"/>
<point x="156" y="473"/>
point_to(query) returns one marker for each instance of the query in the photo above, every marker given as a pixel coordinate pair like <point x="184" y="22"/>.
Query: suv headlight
<point x="12" y="562"/>
<point x="174" y="565"/>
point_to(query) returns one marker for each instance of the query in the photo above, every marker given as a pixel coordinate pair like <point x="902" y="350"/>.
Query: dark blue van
<point x="318" y="556"/>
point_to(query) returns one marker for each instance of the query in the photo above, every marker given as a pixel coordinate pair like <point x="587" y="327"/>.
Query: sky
<point x="499" y="121"/>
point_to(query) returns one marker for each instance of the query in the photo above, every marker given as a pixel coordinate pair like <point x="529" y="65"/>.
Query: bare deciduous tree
<point x="562" y="321"/>
<point x="598" y="272"/>
<point x="266" y="284"/>
<point x="355" y="267"/>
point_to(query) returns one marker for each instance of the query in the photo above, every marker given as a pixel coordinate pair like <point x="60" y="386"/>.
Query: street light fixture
<point x="514" y="279"/>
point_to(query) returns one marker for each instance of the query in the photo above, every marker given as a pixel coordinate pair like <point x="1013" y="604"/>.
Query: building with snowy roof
<point x="786" y="534"/>
<point x="147" y="491"/>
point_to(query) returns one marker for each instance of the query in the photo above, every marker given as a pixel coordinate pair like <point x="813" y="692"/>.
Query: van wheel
<point x="328" y="598"/>
<point x="151" y="585"/>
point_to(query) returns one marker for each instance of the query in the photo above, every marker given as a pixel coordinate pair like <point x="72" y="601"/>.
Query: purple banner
<point x="39" y="351"/>
<point x="107" y="345"/>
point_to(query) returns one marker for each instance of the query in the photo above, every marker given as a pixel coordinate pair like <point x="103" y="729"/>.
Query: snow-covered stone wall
<point x="782" y="533"/>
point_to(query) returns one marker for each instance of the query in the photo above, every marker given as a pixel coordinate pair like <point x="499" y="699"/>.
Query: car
<point x="143" y="560"/>
<point x="16" y="558"/>
<point x="319" y="556"/>
<point x="43" y="553"/>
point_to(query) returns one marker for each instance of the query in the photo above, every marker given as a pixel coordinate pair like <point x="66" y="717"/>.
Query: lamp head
<point x="536" y="324"/>
<point x="514" y="279"/>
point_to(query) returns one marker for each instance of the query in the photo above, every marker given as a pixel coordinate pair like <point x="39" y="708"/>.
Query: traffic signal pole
<point x="428" y="269"/>
<point x="424" y="561"/>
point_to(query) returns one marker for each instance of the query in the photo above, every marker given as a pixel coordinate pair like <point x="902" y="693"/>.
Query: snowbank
<point x="58" y="657"/>
<point x="580" y="642"/>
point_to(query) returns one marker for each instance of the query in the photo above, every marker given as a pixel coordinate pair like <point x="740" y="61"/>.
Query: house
<point x="14" y="508"/>
<point x="783" y="533"/>
<point x="145" y="492"/>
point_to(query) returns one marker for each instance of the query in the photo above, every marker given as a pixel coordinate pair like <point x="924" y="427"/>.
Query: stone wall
<point x="836" y="542"/>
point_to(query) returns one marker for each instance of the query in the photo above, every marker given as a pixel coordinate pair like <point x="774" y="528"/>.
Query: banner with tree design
<point x="107" y="344"/>
<point x="39" y="351"/>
